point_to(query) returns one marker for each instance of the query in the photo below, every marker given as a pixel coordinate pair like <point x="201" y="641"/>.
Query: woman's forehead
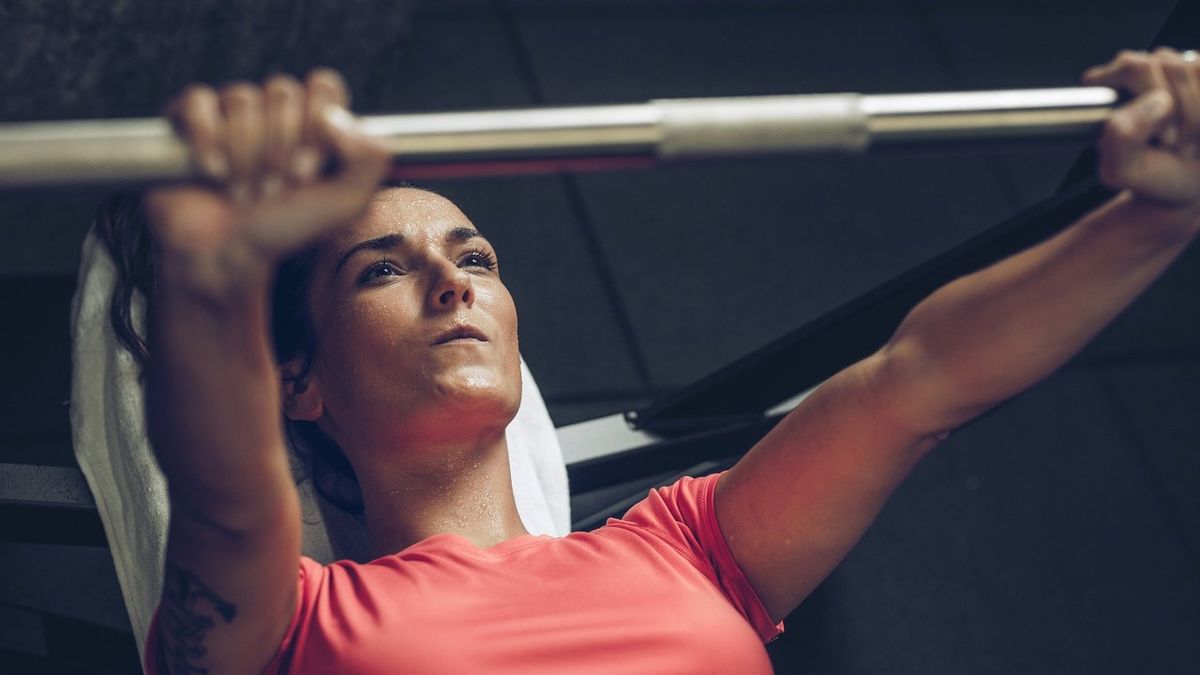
<point x="411" y="212"/>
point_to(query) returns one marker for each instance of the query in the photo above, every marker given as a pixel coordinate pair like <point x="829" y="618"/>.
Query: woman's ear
<point x="301" y="396"/>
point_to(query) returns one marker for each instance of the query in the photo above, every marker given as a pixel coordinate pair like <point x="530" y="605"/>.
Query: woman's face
<point x="416" y="334"/>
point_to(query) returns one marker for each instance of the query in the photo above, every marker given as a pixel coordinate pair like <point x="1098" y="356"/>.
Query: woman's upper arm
<point x="796" y="504"/>
<point x="228" y="597"/>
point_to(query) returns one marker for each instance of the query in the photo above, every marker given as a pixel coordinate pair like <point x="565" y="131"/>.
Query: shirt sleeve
<point x="683" y="514"/>
<point x="310" y="575"/>
<point x="310" y="571"/>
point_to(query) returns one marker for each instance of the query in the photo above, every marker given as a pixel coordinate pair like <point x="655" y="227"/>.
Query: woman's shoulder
<point x="686" y="502"/>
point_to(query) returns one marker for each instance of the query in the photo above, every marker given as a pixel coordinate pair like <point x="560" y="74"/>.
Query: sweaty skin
<point x="423" y="424"/>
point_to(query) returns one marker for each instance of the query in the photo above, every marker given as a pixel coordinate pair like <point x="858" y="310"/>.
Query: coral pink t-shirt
<point x="656" y="591"/>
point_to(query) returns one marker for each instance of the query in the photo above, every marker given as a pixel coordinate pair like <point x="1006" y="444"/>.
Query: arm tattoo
<point x="189" y="611"/>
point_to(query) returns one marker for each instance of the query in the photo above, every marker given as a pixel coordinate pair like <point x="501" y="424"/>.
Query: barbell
<point x="119" y="151"/>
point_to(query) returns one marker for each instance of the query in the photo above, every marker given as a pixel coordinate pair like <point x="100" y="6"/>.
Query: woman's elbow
<point x="923" y="400"/>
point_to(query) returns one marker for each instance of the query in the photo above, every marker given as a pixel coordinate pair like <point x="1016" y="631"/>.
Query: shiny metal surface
<point x="986" y="115"/>
<point x="584" y="137"/>
<point x="605" y="129"/>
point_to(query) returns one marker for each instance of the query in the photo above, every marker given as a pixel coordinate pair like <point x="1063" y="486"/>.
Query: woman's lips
<point x="461" y="341"/>
<point x="463" y="334"/>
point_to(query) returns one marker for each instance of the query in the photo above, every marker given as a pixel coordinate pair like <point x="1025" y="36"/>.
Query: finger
<point x="1135" y="72"/>
<point x="336" y="200"/>
<point x="196" y="116"/>
<point x="1166" y="52"/>
<point x="324" y="205"/>
<point x="1184" y="84"/>
<point x="1125" y="142"/>
<point x="284" y="125"/>
<point x="329" y="83"/>
<point x="243" y="108"/>
<point x="323" y="88"/>
<point x="362" y="160"/>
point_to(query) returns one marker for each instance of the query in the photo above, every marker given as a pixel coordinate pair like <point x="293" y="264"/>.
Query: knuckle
<point x="240" y="95"/>
<point x="1128" y="56"/>
<point x="367" y="153"/>
<point x="1120" y="130"/>
<point x="197" y="94"/>
<point x="326" y="83"/>
<point x="1175" y="69"/>
<point x="194" y="113"/>
<point x="192" y="106"/>
<point x="324" y="74"/>
<point x="1132" y="62"/>
<point x="281" y="88"/>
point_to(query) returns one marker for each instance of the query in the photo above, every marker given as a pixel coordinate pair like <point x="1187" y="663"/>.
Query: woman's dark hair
<point x="120" y="224"/>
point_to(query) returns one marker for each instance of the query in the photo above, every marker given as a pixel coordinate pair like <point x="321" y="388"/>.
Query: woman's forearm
<point x="989" y="335"/>
<point x="213" y="406"/>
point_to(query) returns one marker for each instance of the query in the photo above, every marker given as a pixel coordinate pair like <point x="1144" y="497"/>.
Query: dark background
<point x="1059" y="533"/>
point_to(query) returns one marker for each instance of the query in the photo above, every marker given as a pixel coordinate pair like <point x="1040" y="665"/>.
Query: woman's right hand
<point x="262" y="151"/>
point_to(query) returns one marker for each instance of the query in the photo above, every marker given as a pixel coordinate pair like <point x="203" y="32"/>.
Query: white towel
<point x="109" y="431"/>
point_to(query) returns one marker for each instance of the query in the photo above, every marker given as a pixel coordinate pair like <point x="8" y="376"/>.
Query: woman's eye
<point x="482" y="259"/>
<point x="380" y="270"/>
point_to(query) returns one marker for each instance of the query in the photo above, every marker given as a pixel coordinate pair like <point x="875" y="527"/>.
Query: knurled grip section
<point x="761" y="125"/>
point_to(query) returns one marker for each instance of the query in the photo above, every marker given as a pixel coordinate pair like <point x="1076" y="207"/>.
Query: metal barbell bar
<point x="585" y="137"/>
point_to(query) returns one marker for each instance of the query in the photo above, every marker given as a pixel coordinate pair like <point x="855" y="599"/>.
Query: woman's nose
<point x="451" y="288"/>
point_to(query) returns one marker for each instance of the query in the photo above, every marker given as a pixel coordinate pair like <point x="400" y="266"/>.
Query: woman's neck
<point x="467" y="491"/>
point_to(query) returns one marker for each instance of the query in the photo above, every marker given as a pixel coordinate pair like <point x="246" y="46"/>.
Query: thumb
<point x="360" y="158"/>
<point x="1150" y="115"/>
<point x="359" y="164"/>
<point x="1127" y="136"/>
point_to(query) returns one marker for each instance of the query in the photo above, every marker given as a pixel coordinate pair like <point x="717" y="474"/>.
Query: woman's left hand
<point x="1151" y="145"/>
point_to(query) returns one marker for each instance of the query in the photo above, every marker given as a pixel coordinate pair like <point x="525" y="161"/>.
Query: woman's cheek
<point x="500" y="306"/>
<point x="374" y="340"/>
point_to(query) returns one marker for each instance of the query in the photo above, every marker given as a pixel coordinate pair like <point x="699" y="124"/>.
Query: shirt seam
<point x="522" y="547"/>
<point x="721" y="550"/>
<point x="710" y="573"/>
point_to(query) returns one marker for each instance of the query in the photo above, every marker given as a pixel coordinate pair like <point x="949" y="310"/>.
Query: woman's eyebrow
<point x="461" y="234"/>
<point x="384" y="243"/>
<point x="390" y="241"/>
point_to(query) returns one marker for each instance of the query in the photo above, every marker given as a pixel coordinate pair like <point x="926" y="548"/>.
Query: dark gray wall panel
<point x="1018" y="45"/>
<point x="1162" y="323"/>
<point x="35" y="359"/>
<point x="1002" y="46"/>
<point x="71" y="581"/>
<point x="713" y="261"/>
<point x="1158" y="404"/>
<point x="21" y="631"/>
<point x="1032" y="541"/>
<point x="634" y="56"/>
<point x="451" y="62"/>
<point x="41" y="231"/>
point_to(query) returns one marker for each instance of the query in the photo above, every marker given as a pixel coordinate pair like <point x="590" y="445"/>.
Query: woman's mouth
<point x="462" y="334"/>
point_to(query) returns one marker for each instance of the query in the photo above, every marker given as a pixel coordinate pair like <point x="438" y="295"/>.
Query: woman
<point x="402" y="350"/>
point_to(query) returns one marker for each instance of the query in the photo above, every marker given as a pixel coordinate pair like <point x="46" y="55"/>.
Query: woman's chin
<point x="477" y="389"/>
